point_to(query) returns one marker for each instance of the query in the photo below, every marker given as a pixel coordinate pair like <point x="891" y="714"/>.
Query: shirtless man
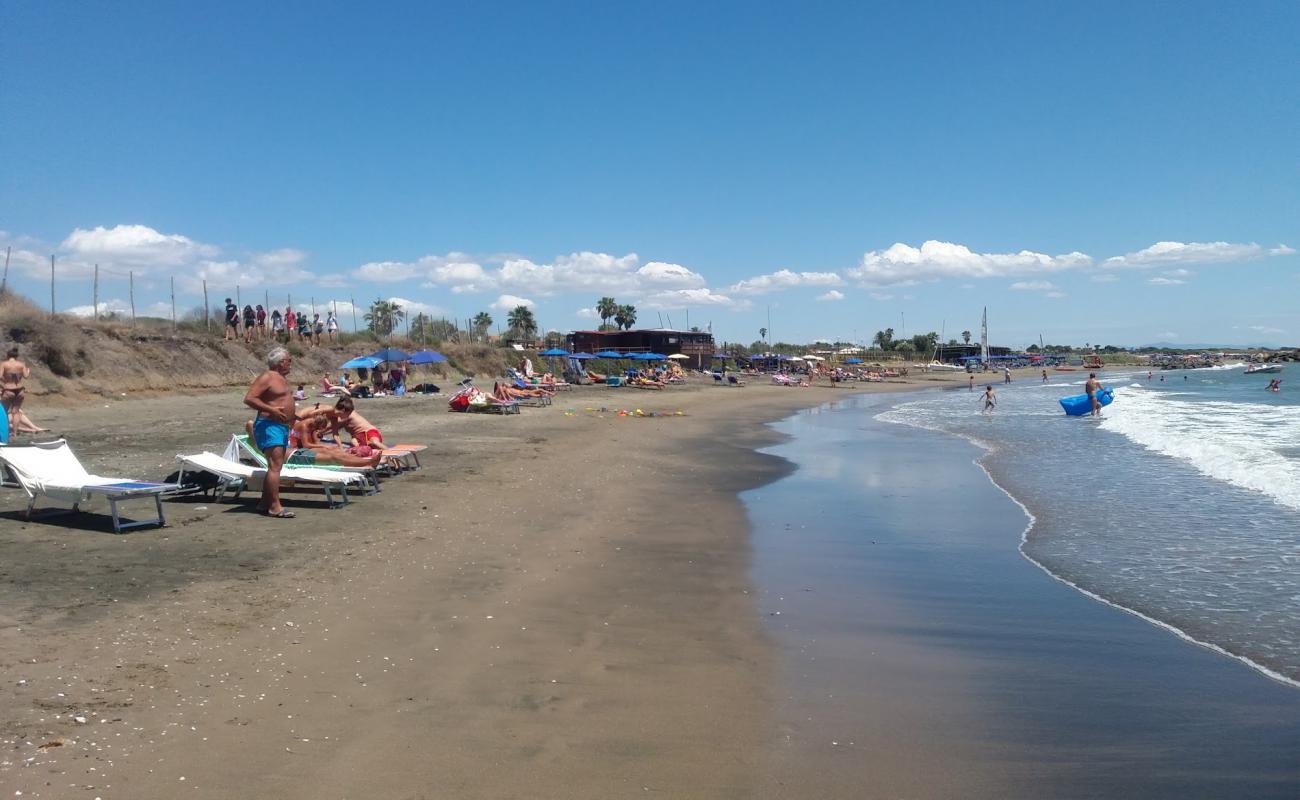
<point x="13" y="373"/>
<point x="1092" y="387"/>
<point x="271" y="398"/>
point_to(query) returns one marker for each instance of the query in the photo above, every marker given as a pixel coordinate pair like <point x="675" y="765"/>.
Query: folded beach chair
<point x="50" y="469"/>
<point x="242" y="447"/>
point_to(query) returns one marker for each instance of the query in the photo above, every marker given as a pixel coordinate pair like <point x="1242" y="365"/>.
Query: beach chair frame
<point x="115" y="491"/>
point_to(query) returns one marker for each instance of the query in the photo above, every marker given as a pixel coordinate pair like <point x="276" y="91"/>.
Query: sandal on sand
<point x="282" y="514"/>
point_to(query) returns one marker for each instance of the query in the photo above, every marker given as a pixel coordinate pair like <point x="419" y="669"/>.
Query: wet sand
<point x="555" y="606"/>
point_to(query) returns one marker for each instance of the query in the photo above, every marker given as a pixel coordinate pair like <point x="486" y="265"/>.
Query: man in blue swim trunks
<point x="272" y="399"/>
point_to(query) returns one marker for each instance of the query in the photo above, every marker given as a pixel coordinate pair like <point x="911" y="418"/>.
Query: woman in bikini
<point x="13" y="373"/>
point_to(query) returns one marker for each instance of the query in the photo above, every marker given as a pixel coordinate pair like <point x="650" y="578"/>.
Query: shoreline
<point x="925" y="627"/>
<point x="986" y="449"/>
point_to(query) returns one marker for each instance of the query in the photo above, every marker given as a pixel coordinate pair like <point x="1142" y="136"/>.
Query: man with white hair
<point x="271" y="397"/>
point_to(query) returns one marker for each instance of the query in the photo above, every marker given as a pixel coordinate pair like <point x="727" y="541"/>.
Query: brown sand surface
<point x="554" y="606"/>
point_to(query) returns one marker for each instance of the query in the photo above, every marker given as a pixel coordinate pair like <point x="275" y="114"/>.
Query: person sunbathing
<point x="333" y="388"/>
<point x="597" y="377"/>
<point x="500" y="391"/>
<point x="306" y="435"/>
<point x="644" y="382"/>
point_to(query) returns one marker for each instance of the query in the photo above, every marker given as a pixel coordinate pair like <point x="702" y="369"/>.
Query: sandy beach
<point x="557" y="604"/>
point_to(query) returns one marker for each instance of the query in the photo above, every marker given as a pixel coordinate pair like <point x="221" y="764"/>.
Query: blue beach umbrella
<point x="554" y="351"/>
<point x="609" y="354"/>
<point x="390" y="354"/>
<point x="427" y="357"/>
<point x="361" y="362"/>
<point x="582" y="356"/>
<point x="853" y="361"/>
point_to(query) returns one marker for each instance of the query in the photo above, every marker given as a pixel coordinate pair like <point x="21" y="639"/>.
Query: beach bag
<point x="459" y="401"/>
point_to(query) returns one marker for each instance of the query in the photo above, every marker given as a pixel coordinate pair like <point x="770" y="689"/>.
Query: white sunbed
<point x="238" y="475"/>
<point x="50" y="469"/>
<point x="242" y="447"/>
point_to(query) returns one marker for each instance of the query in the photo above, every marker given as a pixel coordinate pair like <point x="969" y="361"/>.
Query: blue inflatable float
<point x="1078" y="405"/>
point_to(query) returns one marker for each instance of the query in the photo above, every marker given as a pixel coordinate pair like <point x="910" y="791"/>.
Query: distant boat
<point x="939" y="366"/>
<point x="1261" y="369"/>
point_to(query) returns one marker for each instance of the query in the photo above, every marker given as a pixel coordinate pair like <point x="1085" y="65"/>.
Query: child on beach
<point x="990" y="399"/>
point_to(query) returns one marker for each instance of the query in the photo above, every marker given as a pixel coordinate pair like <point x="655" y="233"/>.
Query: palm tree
<point x="383" y="317"/>
<point x="625" y="317"/>
<point x="421" y="324"/>
<point x="965" y="336"/>
<point x="884" y="338"/>
<point x="523" y="325"/>
<point x="482" y="322"/>
<point x="762" y="334"/>
<point x="606" y="308"/>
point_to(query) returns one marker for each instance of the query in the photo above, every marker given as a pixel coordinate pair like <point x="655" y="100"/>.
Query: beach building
<point x="955" y="353"/>
<point x="698" y="345"/>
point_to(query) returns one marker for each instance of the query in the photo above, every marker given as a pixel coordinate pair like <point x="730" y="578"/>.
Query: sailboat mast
<point x="984" y="336"/>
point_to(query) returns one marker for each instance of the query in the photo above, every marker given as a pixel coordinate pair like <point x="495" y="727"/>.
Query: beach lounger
<point x="242" y="447"/>
<point x="50" y="469"/>
<point x="238" y="475"/>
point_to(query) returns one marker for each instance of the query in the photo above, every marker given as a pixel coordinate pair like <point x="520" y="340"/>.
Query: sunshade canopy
<point x="427" y="357"/>
<point x="390" y="354"/>
<point x="609" y="354"/>
<point x="679" y="357"/>
<point x="582" y="356"/>
<point x="361" y="362"/>
<point x="554" y="351"/>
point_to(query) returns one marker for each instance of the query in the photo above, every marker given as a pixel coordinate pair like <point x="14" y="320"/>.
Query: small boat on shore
<point x="1262" y="369"/>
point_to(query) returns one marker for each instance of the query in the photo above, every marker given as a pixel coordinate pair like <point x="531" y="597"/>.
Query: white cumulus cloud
<point x="833" y="294"/>
<point x="509" y="302"/>
<point x="135" y="245"/>
<point x="685" y="298"/>
<point x="1162" y="254"/>
<point x="1159" y="281"/>
<point x="1033" y="286"/>
<point x="933" y="260"/>
<point x="785" y="279"/>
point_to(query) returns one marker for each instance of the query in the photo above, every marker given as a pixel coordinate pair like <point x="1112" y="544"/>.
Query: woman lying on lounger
<point x="507" y="393"/>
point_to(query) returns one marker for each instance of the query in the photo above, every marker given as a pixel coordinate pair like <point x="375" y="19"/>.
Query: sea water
<point x="1181" y="504"/>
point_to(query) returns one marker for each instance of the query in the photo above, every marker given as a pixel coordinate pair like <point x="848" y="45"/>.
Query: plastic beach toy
<point x="1078" y="405"/>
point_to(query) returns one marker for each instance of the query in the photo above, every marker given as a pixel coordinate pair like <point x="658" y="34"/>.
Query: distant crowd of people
<point x="254" y="324"/>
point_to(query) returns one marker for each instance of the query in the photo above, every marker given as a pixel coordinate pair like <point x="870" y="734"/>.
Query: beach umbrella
<point x="390" y="354"/>
<point x="361" y="362"/>
<point x="427" y="357"/>
<point x="813" y="358"/>
<point x="554" y="351"/>
<point x="853" y="361"/>
<point x="609" y="354"/>
<point x="582" y="356"/>
<point x="679" y="357"/>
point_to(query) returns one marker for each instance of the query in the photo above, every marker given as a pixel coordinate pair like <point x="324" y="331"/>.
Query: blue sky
<point x="1116" y="172"/>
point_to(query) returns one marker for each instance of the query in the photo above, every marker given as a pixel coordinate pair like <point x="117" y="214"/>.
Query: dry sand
<point x="554" y="606"/>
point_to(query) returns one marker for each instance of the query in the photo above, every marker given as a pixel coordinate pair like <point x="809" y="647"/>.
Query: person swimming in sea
<point x="990" y="399"/>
